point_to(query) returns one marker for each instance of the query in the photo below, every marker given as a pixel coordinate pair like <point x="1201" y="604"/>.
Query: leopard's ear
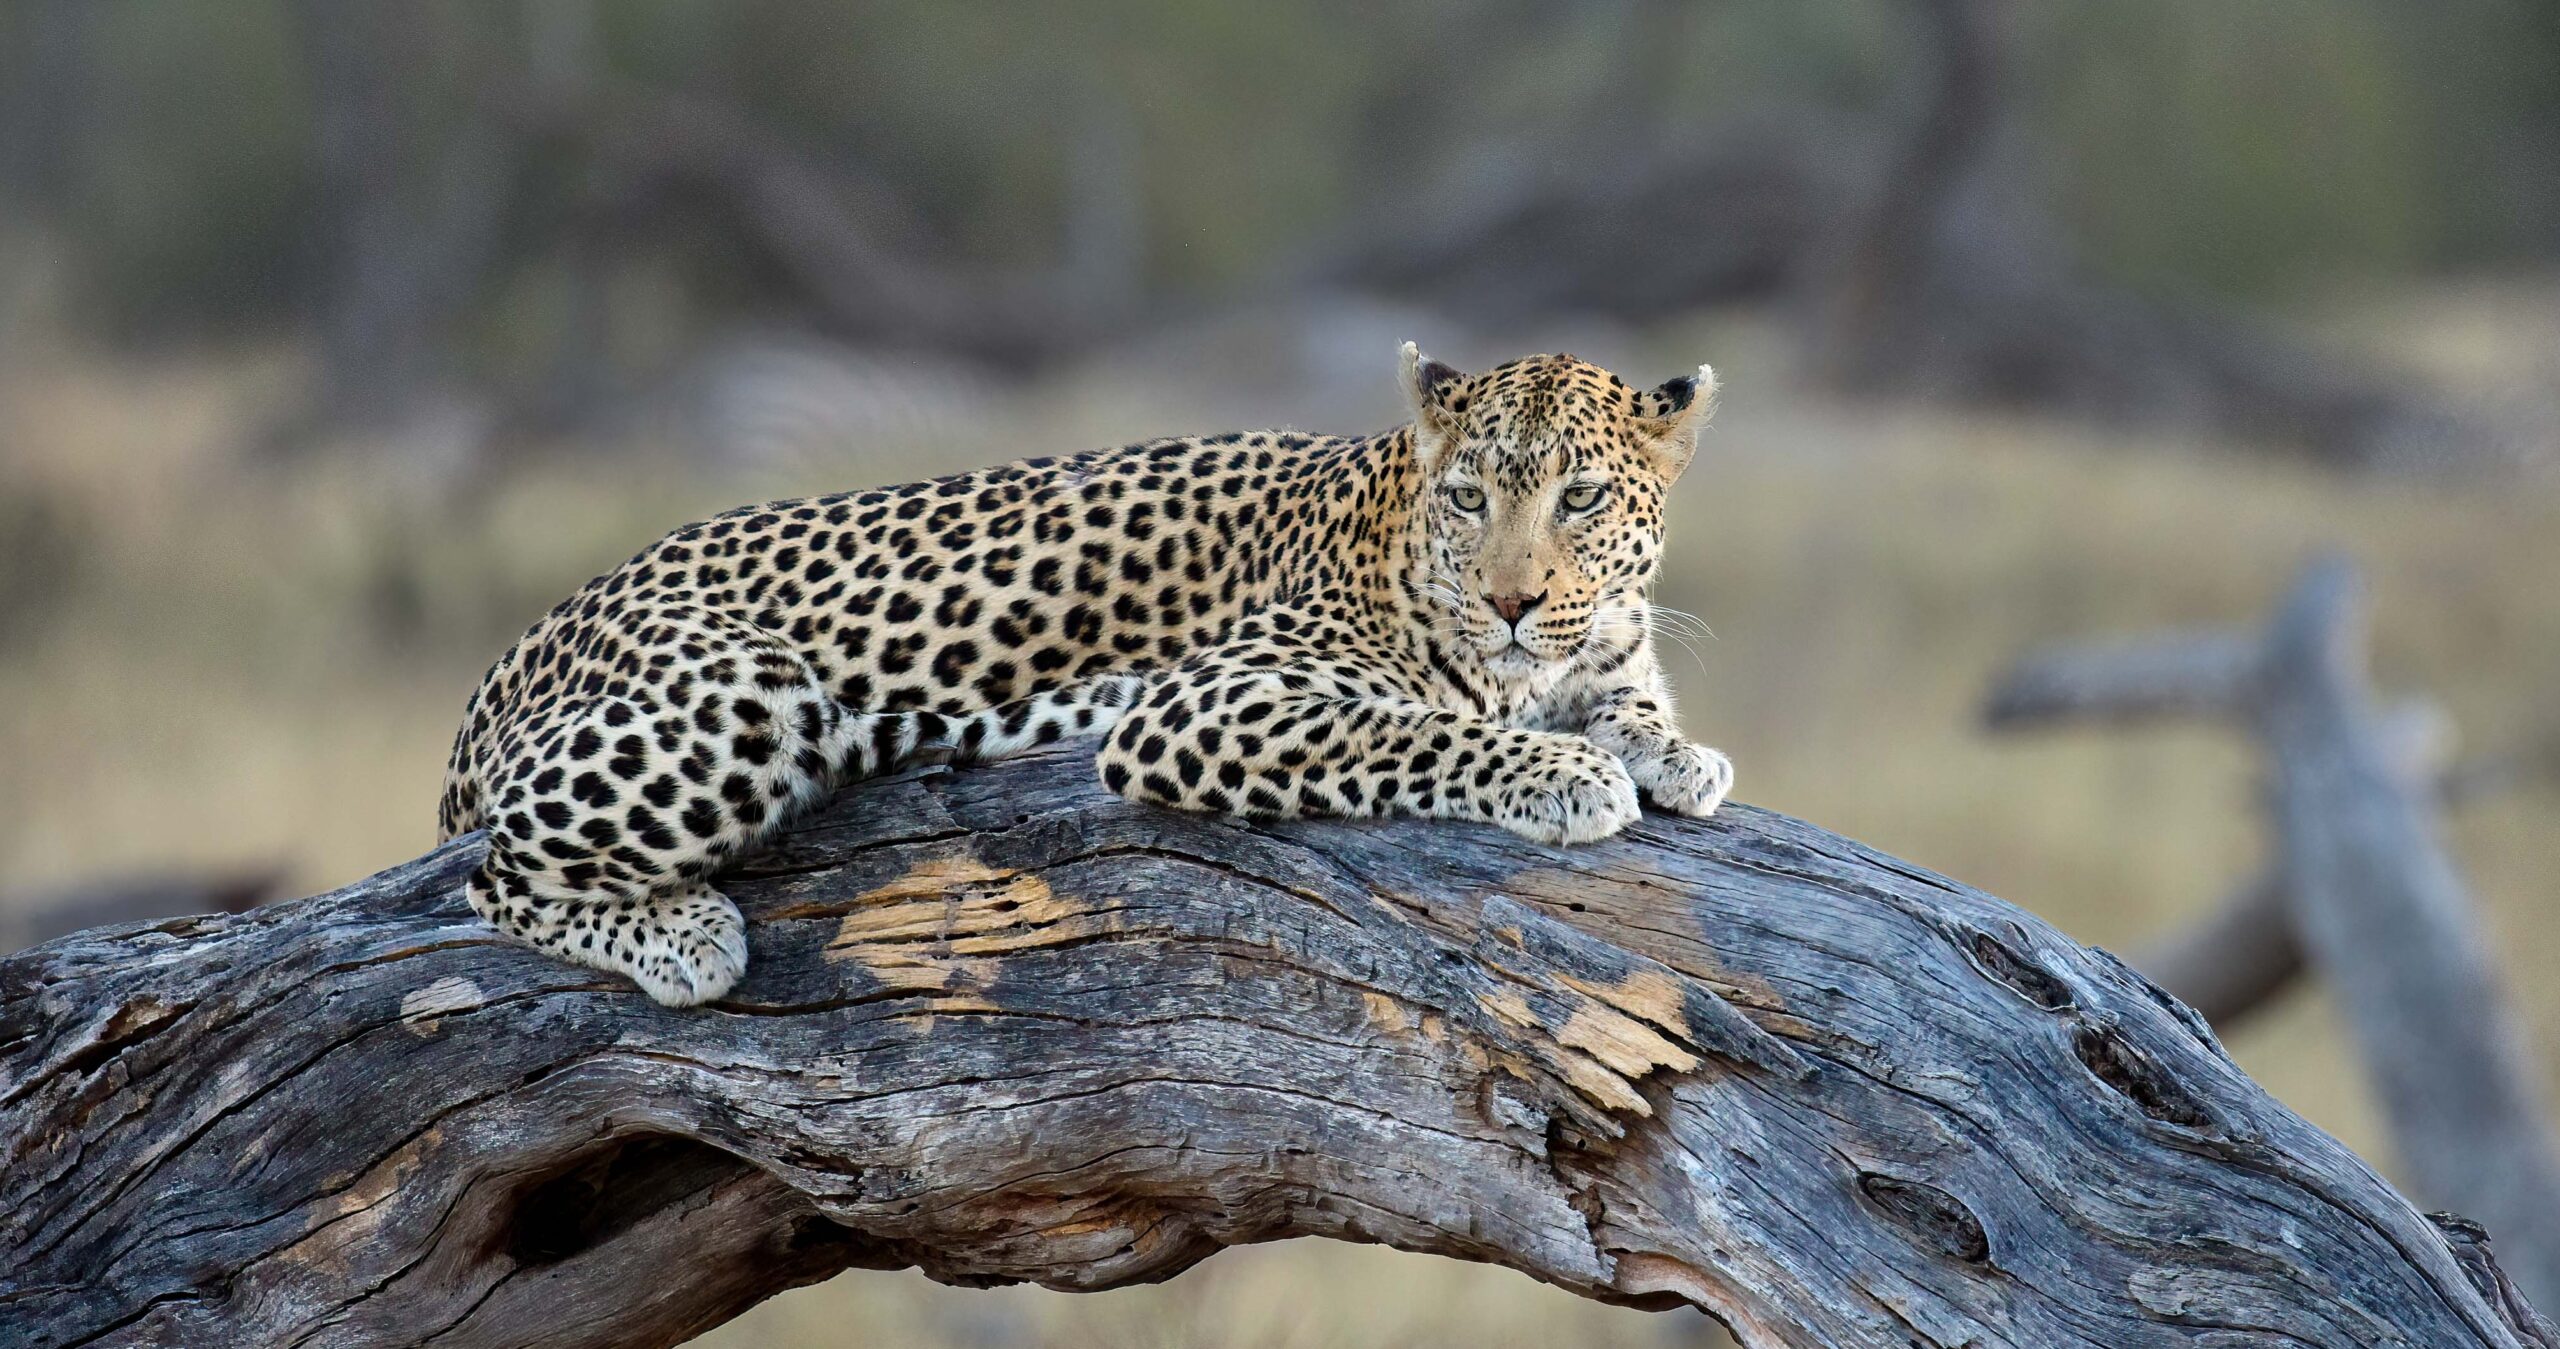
<point x="1669" y="418"/>
<point x="1436" y="393"/>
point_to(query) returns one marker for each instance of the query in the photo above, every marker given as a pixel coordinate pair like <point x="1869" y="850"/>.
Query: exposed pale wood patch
<point x="423" y="1009"/>
<point x="1386" y="1013"/>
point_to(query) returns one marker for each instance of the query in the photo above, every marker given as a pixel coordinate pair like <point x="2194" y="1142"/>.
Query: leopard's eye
<point x="1467" y="497"/>
<point x="1582" y="496"/>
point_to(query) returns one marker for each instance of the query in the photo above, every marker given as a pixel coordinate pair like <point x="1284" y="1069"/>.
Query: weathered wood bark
<point x="1003" y="1026"/>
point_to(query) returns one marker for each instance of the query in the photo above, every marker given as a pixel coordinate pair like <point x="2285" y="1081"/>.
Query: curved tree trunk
<point x="1003" y="1026"/>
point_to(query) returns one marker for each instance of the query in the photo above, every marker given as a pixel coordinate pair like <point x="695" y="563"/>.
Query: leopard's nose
<point x="1512" y="606"/>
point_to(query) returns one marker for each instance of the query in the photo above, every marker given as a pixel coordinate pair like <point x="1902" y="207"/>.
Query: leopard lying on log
<point x="1447" y="619"/>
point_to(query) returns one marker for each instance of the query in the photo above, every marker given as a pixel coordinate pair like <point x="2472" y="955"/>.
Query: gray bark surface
<point x="1003" y="1026"/>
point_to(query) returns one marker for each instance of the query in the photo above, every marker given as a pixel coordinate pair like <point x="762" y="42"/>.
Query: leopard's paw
<point x="1687" y="779"/>
<point x="1573" y="794"/>
<point x="690" y="948"/>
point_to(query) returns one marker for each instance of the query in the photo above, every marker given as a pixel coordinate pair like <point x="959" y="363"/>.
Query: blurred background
<point x="338" y="340"/>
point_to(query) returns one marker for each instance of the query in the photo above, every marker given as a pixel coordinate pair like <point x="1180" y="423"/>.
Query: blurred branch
<point x="2203" y="675"/>
<point x="33" y="916"/>
<point x="1916" y="263"/>
<point x="2243" y="952"/>
<point x="2234" y="960"/>
<point x="823" y="221"/>
<point x="1956" y="286"/>
<point x="481" y="179"/>
<point x="1005" y="1026"/>
<point x="1884" y="256"/>
<point x="2361" y="890"/>
<point x="2386" y="917"/>
<point x="47" y="103"/>
<point x="1693" y="225"/>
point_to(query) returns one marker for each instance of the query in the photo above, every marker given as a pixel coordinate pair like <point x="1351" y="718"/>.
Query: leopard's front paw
<point x="1686" y="779"/>
<point x="1576" y="795"/>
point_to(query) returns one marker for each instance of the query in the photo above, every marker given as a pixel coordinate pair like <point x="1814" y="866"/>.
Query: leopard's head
<point x="1542" y="485"/>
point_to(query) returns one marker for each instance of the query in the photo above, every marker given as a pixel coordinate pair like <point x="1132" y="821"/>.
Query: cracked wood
<point x="1003" y="1026"/>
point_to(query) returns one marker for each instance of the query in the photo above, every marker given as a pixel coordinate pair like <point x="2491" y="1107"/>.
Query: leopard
<point x="1448" y="619"/>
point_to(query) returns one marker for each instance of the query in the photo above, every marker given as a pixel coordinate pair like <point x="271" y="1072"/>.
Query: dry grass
<point x="204" y="663"/>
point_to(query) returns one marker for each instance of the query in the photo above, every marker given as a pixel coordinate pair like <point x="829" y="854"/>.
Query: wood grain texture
<point x="1003" y="1026"/>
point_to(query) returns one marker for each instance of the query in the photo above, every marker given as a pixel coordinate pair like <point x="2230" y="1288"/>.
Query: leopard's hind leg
<point x="608" y="817"/>
<point x="608" y="814"/>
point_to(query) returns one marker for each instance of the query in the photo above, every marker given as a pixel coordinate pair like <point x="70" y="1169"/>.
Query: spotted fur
<point x="1448" y="619"/>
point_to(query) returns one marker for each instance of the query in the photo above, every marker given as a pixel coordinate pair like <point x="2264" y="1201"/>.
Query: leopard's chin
<point x="1518" y="664"/>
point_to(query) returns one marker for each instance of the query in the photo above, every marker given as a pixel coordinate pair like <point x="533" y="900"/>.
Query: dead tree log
<point x="2233" y="961"/>
<point x="1003" y="1026"/>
